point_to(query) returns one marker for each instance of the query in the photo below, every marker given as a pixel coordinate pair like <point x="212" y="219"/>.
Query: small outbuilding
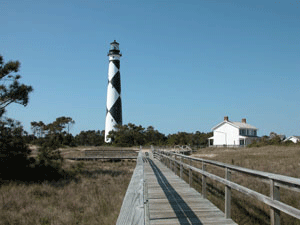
<point x="232" y="134"/>
<point x="294" y="139"/>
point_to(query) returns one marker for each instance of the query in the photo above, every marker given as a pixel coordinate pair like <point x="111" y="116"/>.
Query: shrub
<point x="13" y="150"/>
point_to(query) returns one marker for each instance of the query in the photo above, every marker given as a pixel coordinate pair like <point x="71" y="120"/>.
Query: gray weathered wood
<point x="203" y="181"/>
<point x="280" y="180"/>
<point x="132" y="210"/>
<point x="227" y="195"/>
<point x="275" y="204"/>
<point x="190" y="175"/>
<point x="275" y="195"/>
<point x="146" y="203"/>
<point x="181" y="167"/>
<point x="172" y="201"/>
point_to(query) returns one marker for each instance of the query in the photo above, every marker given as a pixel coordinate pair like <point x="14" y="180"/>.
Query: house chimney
<point x="225" y="118"/>
<point x="244" y="120"/>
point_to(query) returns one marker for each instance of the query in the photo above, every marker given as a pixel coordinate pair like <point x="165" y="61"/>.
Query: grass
<point x="93" y="195"/>
<point x="95" y="191"/>
<point x="79" y="151"/>
<point x="275" y="159"/>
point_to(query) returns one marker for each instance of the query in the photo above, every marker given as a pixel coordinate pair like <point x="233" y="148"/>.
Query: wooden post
<point x="227" y="195"/>
<point x="167" y="160"/>
<point x="175" y="165"/>
<point x="181" y="167"/>
<point x="203" y="181"/>
<point x="275" y="195"/>
<point x="190" y="174"/>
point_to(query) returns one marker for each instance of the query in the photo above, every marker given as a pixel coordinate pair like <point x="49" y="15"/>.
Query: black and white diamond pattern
<point x="114" y="103"/>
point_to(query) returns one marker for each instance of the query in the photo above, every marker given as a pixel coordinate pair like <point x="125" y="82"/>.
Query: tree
<point x="181" y="138"/>
<point x="38" y="128"/>
<point x="60" y="124"/>
<point x="11" y="91"/>
<point x="14" y="152"/>
<point x="90" y="138"/>
<point x="128" y="135"/>
<point x="49" y="154"/>
<point x="133" y="135"/>
<point x="195" y="139"/>
<point x="55" y="133"/>
<point x="154" y="137"/>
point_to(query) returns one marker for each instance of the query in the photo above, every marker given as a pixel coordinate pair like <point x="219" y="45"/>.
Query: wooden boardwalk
<point x="156" y="195"/>
<point x="172" y="201"/>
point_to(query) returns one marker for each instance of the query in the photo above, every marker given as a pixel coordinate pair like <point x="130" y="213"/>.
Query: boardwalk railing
<point x="173" y="160"/>
<point x="133" y="207"/>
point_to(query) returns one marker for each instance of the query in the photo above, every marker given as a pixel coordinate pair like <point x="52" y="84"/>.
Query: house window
<point x="250" y="132"/>
<point x="242" y="132"/>
<point x="242" y="142"/>
<point x="255" y="133"/>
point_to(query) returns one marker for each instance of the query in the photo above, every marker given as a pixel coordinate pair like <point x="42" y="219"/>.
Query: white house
<point x="294" y="139"/>
<point x="229" y="133"/>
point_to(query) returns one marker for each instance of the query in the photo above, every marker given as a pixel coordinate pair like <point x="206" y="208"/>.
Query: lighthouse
<point x="113" y="103"/>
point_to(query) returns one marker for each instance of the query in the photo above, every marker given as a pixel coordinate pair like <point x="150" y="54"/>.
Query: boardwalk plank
<point x="172" y="201"/>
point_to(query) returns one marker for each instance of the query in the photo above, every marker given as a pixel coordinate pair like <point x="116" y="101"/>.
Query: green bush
<point x="14" y="152"/>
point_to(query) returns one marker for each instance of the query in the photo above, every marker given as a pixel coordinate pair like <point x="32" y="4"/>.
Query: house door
<point x="242" y="142"/>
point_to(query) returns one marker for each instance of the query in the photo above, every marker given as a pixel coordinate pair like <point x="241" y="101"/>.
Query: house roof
<point x="235" y="124"/>
<point x="244" y="125"/>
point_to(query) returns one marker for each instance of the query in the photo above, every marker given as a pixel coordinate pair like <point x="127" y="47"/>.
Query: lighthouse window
<point x="114" y="47"/>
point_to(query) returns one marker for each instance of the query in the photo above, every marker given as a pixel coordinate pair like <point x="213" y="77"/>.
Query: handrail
<point x="132" y="210"/>
<point x="275" y="180"/>
<point x="286" y="181"/>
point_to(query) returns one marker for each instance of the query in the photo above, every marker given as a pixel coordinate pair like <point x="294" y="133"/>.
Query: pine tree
<point x="11" y="91"/>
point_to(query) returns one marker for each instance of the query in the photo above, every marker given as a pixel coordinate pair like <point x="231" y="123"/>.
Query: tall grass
<point x="92" y="195"/>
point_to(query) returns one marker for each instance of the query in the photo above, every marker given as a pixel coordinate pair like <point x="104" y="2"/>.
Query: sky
<point x="185" y="65"/>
